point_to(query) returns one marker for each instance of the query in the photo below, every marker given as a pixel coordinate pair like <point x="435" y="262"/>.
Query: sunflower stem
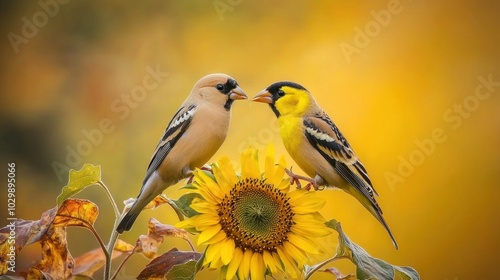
<point x="321" y="264"/>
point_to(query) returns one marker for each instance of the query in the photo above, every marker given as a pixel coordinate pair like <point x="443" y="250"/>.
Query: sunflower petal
<point x="270" y="262"/>
<point x="295" y="253"/>
<point x="203" y="207"/>
<point x="208" y="233"/>
<point x="269" y="161"/>
<point x="250" y="164"/>
<point x="212" y="254"/>
<point x="221" y="235"/>
<point x="244" y="270"/>
<point x="303" y="243"/>
<point x="289" y="266"/>
<point x="234" y="264"/>
<point x="227" y="251"/>
<point x="211" y="185"/>
<point x="257" y="268"/>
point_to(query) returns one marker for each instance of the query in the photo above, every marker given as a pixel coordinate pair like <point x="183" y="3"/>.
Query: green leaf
<point x="79" y="180"/>
<point x="185" y="271"/>
<point x="369" y="267"/>
<point x="183" y="204"/>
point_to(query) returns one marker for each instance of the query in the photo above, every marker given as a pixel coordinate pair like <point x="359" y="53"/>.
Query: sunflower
<point x="253" y="224"/>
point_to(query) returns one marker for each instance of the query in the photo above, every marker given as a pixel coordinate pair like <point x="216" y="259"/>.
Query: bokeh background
<point x="389" y="73"/>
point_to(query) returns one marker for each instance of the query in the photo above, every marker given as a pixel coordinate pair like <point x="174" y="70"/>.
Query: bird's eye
<point x="219" y="87"/>
<point x="281" y="93"/>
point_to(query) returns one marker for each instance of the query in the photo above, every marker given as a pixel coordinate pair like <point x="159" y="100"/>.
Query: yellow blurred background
<point x="413" y="85"/>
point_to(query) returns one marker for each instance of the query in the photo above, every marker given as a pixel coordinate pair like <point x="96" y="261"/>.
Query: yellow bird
<point x="318" y="147"/>
<point x="195" y="133"/>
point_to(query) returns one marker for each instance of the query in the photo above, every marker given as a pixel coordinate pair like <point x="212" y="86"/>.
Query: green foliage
<point x="368" y="267"/>
<point x="79" y="180"/>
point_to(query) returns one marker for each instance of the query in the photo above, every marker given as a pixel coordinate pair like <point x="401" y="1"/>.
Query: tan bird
<point x="192" y="137"/>
<point x="318" y="147"/>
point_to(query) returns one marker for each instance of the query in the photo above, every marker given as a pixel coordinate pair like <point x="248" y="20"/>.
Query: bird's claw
<point x="295" y="179"/>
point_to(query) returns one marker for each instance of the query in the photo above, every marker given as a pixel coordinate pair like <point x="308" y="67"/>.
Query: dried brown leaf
<point x="153" y="204"/>
<point x="155" y="228"/>
<point x="88" y="263"/>
<point x="122" y="246"/>
<point x="76" y="212"/>
<point x="26" y="232"/>
<point x="161" y="265"/>
<point x="56" y="258"/>
<point x="148" y="244"/>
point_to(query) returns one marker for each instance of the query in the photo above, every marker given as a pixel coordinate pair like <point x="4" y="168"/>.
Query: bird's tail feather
<point x="128" y="220"/>
<point x="373" y="208"/>
<point x="379" y="217"/>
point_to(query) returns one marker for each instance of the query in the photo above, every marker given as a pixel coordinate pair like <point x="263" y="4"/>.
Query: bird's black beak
<point x="264" y="97"/>
<point x="237" y="93"/>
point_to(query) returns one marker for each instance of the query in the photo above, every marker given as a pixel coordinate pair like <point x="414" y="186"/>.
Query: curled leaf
<point x="368" y="267"/>
<point x="26" y="232"/>
<point x="184" y="262"/>
<point x="56" y="259"/>
<point x="78" y="180"/>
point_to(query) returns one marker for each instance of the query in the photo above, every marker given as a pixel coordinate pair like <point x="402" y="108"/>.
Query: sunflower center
<point x="256" y="215"/>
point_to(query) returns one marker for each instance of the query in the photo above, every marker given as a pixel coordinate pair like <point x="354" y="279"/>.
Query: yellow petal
<point x="212" y="254"/>
<point x="303" y="243"/>
<point x="204" y="220"/>
<point x="203" y="207"/>
<point x="307" y="209"/>
<point x="227" y="251"/>
<point x="234" y="264"/>
<point x="309" y="199"/>
<point x="208" y="233"/>
<point x="269" y="162"/>
<point x="250" y="164"/>
<point x="279" y="171"/>
<point x="284" y="185"/>
<point x="257" y="268"/>
<point x="290" y="267"/>
<point x="270" y="262"/>
<point x="278" y="261"/>
<point x="207" y="195"/>
<point x="295" y="253"/>
<point x="225" y="181"/>
<point x="227" y="169"/>
<point x="311" y="230"/>
<point x="184" y="224"/>
<point x="244" y="270"/>
<point x="221" y="235"/>
<point x="211" y="186"/>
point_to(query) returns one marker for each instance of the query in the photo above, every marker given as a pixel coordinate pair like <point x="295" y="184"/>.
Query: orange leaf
<point x="56" y="258"/>
<point x="156" y="228"/>
<point x="76" y="212"/>
<point x="148" y="244"/>
<point x="122" y="246"/>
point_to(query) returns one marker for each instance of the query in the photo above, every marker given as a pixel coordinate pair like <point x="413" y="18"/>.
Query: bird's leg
<point x="294" y="178"/>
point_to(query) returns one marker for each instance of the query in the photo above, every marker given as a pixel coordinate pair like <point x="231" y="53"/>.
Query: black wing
<point x="175" y="129"/>
<point x="325" y="137"/>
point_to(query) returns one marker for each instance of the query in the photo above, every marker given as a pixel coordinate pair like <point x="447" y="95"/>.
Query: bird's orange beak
<point x="264" y="97"/>
<point x="237" y="94"/>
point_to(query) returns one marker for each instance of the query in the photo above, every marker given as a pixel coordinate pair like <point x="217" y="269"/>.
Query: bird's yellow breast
<point x="292" y="134"/>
